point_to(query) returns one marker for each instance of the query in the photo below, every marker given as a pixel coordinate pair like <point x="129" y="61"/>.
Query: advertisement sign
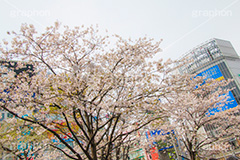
<point x="159" y="132"/>
<point x="154" y="153"/>
<point x="215" y="73"/>
<point x="62" y="126"/>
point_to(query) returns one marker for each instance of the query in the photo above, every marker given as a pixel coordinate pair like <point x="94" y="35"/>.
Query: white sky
<point x="182" y="24"/>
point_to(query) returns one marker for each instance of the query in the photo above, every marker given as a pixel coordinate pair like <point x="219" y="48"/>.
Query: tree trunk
<point x="192" y="155"/>
<point x="94" y="152"/>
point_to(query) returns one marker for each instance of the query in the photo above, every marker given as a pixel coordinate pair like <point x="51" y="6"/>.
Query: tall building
<point x="216" y="59"/>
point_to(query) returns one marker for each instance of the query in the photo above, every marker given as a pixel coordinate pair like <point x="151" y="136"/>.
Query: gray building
<point x="215" y="58"/>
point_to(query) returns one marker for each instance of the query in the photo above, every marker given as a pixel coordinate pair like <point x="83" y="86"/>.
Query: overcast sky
<point x="182" y="24"/>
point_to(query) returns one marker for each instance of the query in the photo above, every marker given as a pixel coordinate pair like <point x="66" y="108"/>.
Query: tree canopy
<point x="93" y="90"/>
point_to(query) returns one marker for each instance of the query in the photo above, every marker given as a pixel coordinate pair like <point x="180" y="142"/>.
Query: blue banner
<point x="215" y="73"/>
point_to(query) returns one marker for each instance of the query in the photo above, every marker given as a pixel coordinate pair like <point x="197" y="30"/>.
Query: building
<point x="5" y="67"/>
<point x="216" y="59"/>
<point x="12" y="65"/>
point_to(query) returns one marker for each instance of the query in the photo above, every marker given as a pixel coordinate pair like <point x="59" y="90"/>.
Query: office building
<point x="216" y="59"/>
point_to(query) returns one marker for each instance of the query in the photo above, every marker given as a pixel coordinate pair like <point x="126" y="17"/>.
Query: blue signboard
<point x="159" y="132"/>
<point x="215" y="73"/>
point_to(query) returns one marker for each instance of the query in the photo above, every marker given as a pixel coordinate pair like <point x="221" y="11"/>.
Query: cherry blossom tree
<point x="198" y="113"/>
<point x="90" y="93"/>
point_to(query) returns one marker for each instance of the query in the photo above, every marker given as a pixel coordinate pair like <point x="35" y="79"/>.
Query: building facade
<point x="216" y="59"/>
